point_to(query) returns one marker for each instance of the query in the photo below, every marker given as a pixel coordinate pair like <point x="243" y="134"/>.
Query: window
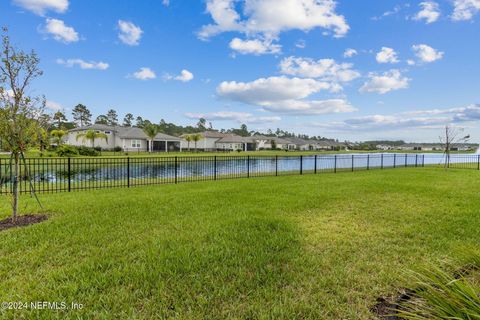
<point x="136" y="143"/>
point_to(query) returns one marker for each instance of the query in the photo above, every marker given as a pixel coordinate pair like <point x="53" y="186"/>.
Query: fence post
<point x="214" y="167"/>
<point x="416" y="160"/>
<point x="368" y="162"/>
<point x="69" y="175"/>
<point x="423" y="161"/>
<point x="128" y="172"/>
<point x="248" y="166"/>
<point x="406" y="160"/>
<point x="353" y="163"/>
<point x="276" y="165"/>
<point x="381" y="163"/>
<point x="315" y="164"/>
<point x="394" y="160"/>
<point x="478" y="162"/>
<point x="301" y="164"/>
<point x="176" y="171"/>
<point x="335" y="165"/>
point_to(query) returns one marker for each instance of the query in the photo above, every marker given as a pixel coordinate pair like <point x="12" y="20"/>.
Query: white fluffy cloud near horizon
<point x="83" y="64"/>
<point x="427" y="54"/>
<point x="184" y="76"/>
<point x="41" y="7"/>
<point x="240" y="117"/>
<point x="254" y="46"/>
<point x="385" y="82"/>
<point x="434" y="119"/>
<point x="465" y="9"/>
<point x="284" y="95"/>
<point x="387" y="55"/>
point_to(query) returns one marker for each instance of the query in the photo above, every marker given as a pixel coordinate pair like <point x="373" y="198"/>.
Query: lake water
<point x="195" y="168"/>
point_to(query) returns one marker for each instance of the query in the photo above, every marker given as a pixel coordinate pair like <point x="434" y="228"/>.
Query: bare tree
<point x="452" y="137"/>
<point x="21" y="116"/>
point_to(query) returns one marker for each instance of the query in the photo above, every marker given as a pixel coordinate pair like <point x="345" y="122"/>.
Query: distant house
<point x="206" y="143"/>
<point x="127" y="138"/>
<point x="234" y="143"/>
<point x="300" y="144"/>
<point x="268" y="143"/>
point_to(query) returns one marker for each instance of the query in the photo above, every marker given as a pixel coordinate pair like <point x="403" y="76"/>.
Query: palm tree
<point x="195" y="138"/>
<point x="58" y="135"/>
<point x="188" y="138"/>
<point x="151" y="131"/>
<point x="92" y="135"/>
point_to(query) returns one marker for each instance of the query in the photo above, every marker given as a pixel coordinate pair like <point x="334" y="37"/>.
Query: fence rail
<point x="71" y="174"/>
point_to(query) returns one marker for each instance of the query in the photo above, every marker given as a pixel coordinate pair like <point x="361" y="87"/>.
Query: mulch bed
<point x="387" y="307"/>
<point x="21" y="221"/>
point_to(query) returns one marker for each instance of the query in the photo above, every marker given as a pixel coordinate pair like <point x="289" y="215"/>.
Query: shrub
<point x="99" y="149"/>
<point x="117" y="149"/>
<point x="87" y="151"/>
<point x="443" y="295"/>
<point x="239" y="150"/>
<point x="67" y="151"/>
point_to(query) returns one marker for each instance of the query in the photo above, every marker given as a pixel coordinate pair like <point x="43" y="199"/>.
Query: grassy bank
<point x="306" y="247"/>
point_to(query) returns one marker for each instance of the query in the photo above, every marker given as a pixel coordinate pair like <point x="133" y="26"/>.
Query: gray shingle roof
<point x="126" y="132"/>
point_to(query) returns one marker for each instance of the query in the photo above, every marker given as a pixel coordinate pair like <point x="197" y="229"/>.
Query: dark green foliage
<point x="66" y="151"/>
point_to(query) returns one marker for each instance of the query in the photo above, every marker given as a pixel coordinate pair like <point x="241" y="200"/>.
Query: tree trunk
<point x="15" y="186"/>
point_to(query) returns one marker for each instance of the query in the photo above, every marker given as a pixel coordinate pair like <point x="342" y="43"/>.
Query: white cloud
<point x="302" y="44"/>
<point x="254" y="46"/>
<point x="271" y="17"/>
<point x="52" y="105"/>
<point x="430" y="12"/>
<point x="424" y="119"/>
<point x="386" y="82"/>
<point x="323" y="69"/>
<point x="84" y="64"/>
<point x="130" y="34"/>
<point x="145" y="74"/>
<point x="387" y="55"/>
<point x="60" y="31"/>
<point x="392" y="12"/>
<point x="242" y="117"/>
<point x="166" y="3"/>
<point x="184" y="76"/>
<point x="411" y="62"/>
<point x="465" y="9"/>
<point x="40" y="7"/>
<point x="349" y="53"/>
<point x="426" y="53"/>
<point x="282" y="94"/>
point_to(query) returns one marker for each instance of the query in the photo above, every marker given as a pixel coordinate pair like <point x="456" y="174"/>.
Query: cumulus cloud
<point x="129" y="34"/>
<point x="283" y="94"/>
<point x="59" y="31"/>
<point x="254" y="46"/>
<point x="423" y="119"/>
<point x="349" y="53"/>
<point x="241" y="117"/>
<point x="426" y="53"/>
<point x="83" y="64"/>
<point x="465" y="9"/>
<point x="184" y="76"/>
<point x="387" y="55"/>
<point x="322" y="69"/>
<point x="145" y="74"/>
<point x="386" y="82"/>
<point x="40" y="7"/>
<point x="430" y="12"/>
<point x="268" y="18"/>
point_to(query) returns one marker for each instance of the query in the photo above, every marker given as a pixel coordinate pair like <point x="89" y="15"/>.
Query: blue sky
<point x="352" y="70"/>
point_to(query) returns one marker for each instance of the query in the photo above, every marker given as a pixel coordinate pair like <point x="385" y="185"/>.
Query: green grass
<point x="304" y="247"/>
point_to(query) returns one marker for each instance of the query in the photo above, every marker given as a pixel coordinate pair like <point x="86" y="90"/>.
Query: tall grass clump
<point x="443" y="294"/>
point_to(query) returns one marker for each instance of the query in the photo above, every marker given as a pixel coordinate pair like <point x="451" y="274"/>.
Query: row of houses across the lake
<point x="428" y="147"/>
<point x="132" y="139"/>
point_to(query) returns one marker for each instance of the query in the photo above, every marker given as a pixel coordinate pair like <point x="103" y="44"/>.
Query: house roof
<point x="126" y="132"/>
<point x="232" y="138"/>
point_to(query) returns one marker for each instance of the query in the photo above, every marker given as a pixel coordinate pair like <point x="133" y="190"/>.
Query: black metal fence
<point x="72" y="174"/>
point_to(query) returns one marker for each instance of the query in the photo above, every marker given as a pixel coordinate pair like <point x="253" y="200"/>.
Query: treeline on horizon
<point x="82" y="116"/>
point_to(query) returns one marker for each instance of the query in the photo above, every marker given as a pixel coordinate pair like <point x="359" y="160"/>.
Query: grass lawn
<point x="299" y="247"/>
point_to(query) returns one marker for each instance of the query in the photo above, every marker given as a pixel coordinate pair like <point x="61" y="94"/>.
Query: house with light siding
<point x="129" y="139"/>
